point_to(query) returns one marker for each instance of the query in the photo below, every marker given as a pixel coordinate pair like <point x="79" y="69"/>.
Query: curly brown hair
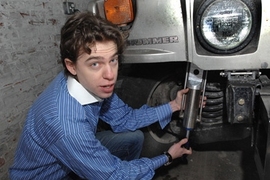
<point x="82" y="31"/>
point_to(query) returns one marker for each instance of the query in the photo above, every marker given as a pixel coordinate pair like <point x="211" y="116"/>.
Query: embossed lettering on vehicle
<point x="155" y="40"/>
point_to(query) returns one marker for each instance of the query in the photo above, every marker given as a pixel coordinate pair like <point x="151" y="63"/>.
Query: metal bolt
<point x="240" y="118"/>
<point x="241" y="101"/>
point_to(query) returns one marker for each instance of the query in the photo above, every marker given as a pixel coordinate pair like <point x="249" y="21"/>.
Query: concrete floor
<point x="212" y="165"/>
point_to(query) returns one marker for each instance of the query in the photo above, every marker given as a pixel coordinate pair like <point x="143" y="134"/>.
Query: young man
<point x="60" y="134"/>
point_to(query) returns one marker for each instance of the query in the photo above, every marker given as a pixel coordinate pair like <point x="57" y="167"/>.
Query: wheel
<point x="158" y="140"/>
<point x="137" y="91"/>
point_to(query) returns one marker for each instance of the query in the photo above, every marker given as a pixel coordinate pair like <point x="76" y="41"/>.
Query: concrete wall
<point x="29" y="59"/>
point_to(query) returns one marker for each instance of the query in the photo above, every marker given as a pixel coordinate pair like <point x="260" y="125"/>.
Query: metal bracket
<point x="240" y="95"/>
<point x="69" y="8"/>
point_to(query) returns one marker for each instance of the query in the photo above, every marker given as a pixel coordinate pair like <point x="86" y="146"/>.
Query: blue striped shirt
<point x="59" y="137"/>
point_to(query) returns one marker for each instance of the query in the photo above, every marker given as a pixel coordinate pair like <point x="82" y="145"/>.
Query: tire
<point x="136" y="91"/>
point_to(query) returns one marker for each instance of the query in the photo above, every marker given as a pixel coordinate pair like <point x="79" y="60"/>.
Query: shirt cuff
<point x="164" y="114"/>
<point x="159" y="161"/>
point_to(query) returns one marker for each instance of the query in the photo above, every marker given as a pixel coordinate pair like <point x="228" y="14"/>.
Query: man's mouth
<point x="107" y="88"/>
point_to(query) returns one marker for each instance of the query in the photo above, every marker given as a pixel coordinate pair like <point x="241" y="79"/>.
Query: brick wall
<point x="29" y="59"/>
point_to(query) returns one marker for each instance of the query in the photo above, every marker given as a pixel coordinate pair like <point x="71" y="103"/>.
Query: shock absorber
<point x="195" y="81"/>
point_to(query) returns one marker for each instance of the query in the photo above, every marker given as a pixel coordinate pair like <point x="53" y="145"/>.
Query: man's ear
<point x="70" y="66"/>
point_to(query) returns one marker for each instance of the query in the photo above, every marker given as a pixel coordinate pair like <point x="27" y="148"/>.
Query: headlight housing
<point x="224" y="26"/>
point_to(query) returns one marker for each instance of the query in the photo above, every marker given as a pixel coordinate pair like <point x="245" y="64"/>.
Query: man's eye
<point x="94" y="64"/>
<point x="115" y="60"/>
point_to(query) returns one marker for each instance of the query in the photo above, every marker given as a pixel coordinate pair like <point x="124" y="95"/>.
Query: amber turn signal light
<point x="119" y="11"/>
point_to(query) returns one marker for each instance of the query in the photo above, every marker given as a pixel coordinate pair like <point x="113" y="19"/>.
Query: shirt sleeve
<point x="84" y="155"/>
<point x="121" y="117"/>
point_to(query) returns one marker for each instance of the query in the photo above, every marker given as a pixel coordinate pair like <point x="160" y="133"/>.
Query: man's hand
<point x="177" y="150"/>
<point x="176" y="104"/>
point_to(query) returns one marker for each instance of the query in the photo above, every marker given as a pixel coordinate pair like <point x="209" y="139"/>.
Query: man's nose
<point x="108" y="73"/>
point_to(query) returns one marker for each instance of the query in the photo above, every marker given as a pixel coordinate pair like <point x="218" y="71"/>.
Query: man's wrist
<point x="169" y="161"/>
<point x="174" y="106"/>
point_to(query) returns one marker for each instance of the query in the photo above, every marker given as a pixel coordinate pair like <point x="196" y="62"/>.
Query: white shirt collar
<point x="77" y="91"/>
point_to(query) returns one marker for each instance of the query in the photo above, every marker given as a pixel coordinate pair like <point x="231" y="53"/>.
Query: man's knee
<point x="136" y="136"/>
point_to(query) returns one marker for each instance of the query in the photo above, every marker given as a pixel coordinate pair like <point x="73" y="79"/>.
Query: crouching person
<point x="60" y="137"/>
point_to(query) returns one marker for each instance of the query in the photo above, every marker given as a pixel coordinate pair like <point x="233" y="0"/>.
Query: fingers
<point x="183" y="144"/>
<point x="181" y="92"/>
<point x="188" y="151"/>
<point x="179" y="98"/>
<point x="177" y="150"/>
<point x="184" y="91"/>
<point x="203" y="101"/>
<point x="183" y="141"/>
<point x="186" y="148"/>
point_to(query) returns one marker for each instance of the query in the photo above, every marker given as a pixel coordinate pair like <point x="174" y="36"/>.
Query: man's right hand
<point x="177" y="150"/>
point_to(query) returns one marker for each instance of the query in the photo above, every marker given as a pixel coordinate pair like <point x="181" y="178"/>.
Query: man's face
<point x="97" y="72"/>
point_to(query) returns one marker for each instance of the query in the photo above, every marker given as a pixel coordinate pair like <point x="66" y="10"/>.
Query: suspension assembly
<point x="213" y="111"/>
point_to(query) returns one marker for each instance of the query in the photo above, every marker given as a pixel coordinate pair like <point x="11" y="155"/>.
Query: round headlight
<point x="225" y="24"/>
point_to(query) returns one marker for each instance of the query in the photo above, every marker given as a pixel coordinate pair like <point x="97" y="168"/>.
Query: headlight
<point x="224" y="24"/>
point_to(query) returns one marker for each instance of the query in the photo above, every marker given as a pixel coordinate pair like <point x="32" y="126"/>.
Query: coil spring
<point x="213" y="111"/>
